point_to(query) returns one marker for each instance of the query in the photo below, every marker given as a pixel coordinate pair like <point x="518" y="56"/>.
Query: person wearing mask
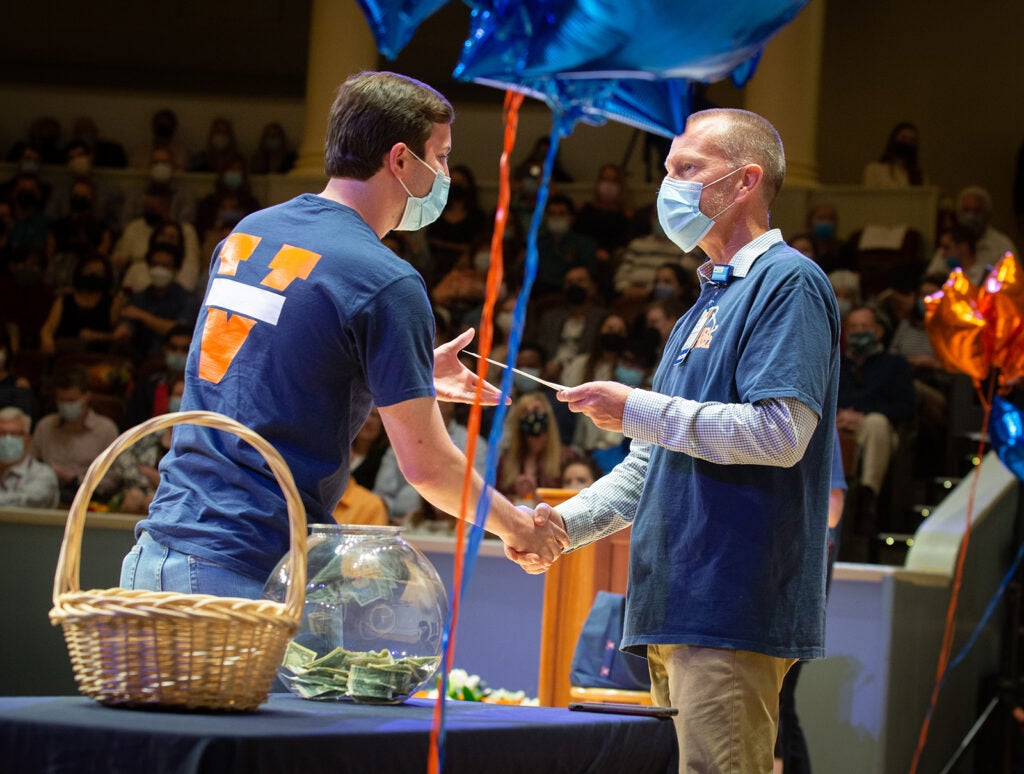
<point x="164" y="126"/>
<point x="164" y="178"/>
<point x="273" y="156"/>
<point x="83" y="318"/>
<point x="15" y="390"/>
<point x="80" y="232"/>
<point x="221" y="148"/>
<point x="974" y="213"/>
<point x="28" y="229"/>
<point x="459" y="228"/>
<point x="535" y="456"/>
<point x="69" y="439"/>
<point x="876" y="395"/>
<point x="230" y="201"/>
<point x="726" y="485"/>
<point x="307" y="322"/>
<point x="640" y="263"/>
<point x="80" y="165"/>
<point x="152" y="394"/>
<point x="898" y="166"/>
<point x="104" y="153"/>
<point x="25" y="482"/>
<point x="142" y="232"/>
<point x="152" y="313"/>
<point x="958" y="247"/>
<point x="828" y="250"/>
<point x="559" y="248"/>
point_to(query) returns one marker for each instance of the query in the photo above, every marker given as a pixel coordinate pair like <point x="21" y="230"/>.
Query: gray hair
<point x="975" y="190"/>
<point x="744" y="137"/>
<point x="13" y="412"/>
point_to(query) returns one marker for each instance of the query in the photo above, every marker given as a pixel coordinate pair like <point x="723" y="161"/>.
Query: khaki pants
<point x="876" y="442"/>
<point x="728" y="703"/>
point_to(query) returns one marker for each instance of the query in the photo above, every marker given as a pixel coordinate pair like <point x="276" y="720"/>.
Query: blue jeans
<point x="154" y="567"/>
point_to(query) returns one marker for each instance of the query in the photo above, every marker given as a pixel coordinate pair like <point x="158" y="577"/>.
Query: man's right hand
<point x="536" y="550"/>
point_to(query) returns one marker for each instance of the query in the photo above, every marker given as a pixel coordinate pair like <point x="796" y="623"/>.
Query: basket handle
<point x="69" y="561"/>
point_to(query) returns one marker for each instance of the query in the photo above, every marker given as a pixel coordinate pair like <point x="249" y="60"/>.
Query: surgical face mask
<point x="861" y="342"/>
<point x="629" y="376"/>
<point x="972" y="221"/>
<point x="12" y="447"/>
<point x="160" y="276"/>
<point x="174" y="403"/>
<point x="29" y="166"/>
<point x="823" y="229"/>
<point x="534" y="423"/>
<point x="679" y="211"/>
<point x="952" y="262"/>
<point x="662" y="290"/>
<point x="558" y="226"/>
<point x="525" y="384"/>
<point x="175" y="361"/>
<point x="608" y="190"/>
<point x="233" y="179"/>
<point x="161" y="172"/>
<point x="845" y="306"/>
<point x="70" y="410"/>
<point x="482" y="260"/>
<point x="504" y="322"/>
<point x="613" y="342"/>
<point x="80" y="165"/>
<point x="421" y="211"/>
<point x="91" y="283"/>
<point x="576" y="295"/>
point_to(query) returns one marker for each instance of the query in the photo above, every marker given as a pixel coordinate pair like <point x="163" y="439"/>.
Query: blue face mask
<point x="11" y="448"/>
<point x="174" y="403"/>
<point x="952" y="262"/>
<point x="175" y="361"/>
<point x="421" y="211"/>
<point x="679" y="211"/>
<point x="629" y="376"/>
<point x="69" y="410"/>
<point x="823" y="229"/>
<point x="524" y="383"/>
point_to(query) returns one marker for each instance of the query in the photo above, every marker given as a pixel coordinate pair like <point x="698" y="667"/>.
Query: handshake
<point x="536" y="541"/>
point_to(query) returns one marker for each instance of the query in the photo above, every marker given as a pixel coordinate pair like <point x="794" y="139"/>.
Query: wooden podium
<point x="571" y="585"/>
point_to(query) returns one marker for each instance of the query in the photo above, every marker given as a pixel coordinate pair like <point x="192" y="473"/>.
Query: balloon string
<point x="949" y="630"/>
<point x="435" y="758"/>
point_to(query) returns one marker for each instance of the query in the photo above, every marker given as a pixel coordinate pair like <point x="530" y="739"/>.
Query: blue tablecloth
<point x="288" y="734"/>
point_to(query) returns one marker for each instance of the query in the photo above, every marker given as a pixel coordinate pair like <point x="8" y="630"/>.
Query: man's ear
<point x="750" y="180"/>
<point x="398" y="157"/>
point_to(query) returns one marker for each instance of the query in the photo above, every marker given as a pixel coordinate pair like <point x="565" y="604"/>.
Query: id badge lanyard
<point x="720" y="277"/>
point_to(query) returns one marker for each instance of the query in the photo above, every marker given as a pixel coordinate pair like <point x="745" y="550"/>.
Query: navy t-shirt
<point x="308" y="320"/>
<point x="733" y="556"/>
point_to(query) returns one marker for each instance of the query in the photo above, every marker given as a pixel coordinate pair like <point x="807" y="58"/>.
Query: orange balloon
<point x="955" y="327"/>
<point x="1001" y="303"/>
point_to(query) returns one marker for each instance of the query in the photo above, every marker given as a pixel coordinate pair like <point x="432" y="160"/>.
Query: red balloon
<point x="955" y="327"/>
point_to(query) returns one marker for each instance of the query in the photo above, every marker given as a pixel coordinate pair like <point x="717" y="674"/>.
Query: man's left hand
<point x="453" y="381"/>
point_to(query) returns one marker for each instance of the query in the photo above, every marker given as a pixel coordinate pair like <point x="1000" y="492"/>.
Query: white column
<point x="340" y="45"/>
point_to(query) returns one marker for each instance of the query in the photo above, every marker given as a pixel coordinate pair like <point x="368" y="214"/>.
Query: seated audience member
<point x="459" y="228"/>
<point x="104" y="153"/>
<point x="164" y="125"/>
<point x="607" y="218"/>
<point x="659" y="319"/>
<point x="221" y="148"/>
<point x="958" y="249"/>
<point x="876" y="395"/>
<point x="358" y="505"/>
<point x="28" y="228"/>
<point x="151" y="396"/>
<point x="25" y="482"/>
<point x="535" y="456"/>
<point x="72" y="437"/>
<point x="974" y="212"/>
<point x="132" y="480"/>
<point x="559" y="248"/>
<point x="80" y="232"/>
<point x="273" y="155"/>
<point x="898" y="167"/>
<point x="230" y="201"/>
<point x="569" y="328"/>
<point x="828" y="249"/>
<point x="163" y="177"/>
<point x="643" y="257"/>
<point x="25" y="297"/>
<point x="82" y="319"/>
<point x="43" y="137"/>
<point x="464" y="287"/>
<point x="15" y="390"/>
<point x="579" y="474"/>
<point x="141" y="233"/>
<point x="107" y="198"/>
<point x="151" y="313"/>
<point x="846" y="285"/>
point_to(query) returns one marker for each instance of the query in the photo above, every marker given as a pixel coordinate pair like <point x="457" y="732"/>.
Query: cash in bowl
<point x="374" y="614"/>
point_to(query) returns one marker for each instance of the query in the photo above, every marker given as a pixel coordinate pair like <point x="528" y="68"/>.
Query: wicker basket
<point x="164" y="649"/>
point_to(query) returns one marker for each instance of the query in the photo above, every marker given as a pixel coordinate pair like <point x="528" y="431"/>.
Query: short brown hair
<point x="372" y="112"/>
<point x="747" y="138"/>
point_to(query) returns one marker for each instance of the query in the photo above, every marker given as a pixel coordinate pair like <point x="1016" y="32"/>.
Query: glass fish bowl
<point x="374" y="613"/>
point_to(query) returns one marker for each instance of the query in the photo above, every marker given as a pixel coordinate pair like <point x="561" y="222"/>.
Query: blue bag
<point x="598" y="662"/>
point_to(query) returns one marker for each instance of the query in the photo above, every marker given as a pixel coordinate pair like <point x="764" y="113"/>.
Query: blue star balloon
<point x="393" y="22"/>
<point x="694" y="39"/>
<point x="1006" y="433"/>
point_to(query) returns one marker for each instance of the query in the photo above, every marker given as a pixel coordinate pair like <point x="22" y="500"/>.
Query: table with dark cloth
<point x="288" y="734"/>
